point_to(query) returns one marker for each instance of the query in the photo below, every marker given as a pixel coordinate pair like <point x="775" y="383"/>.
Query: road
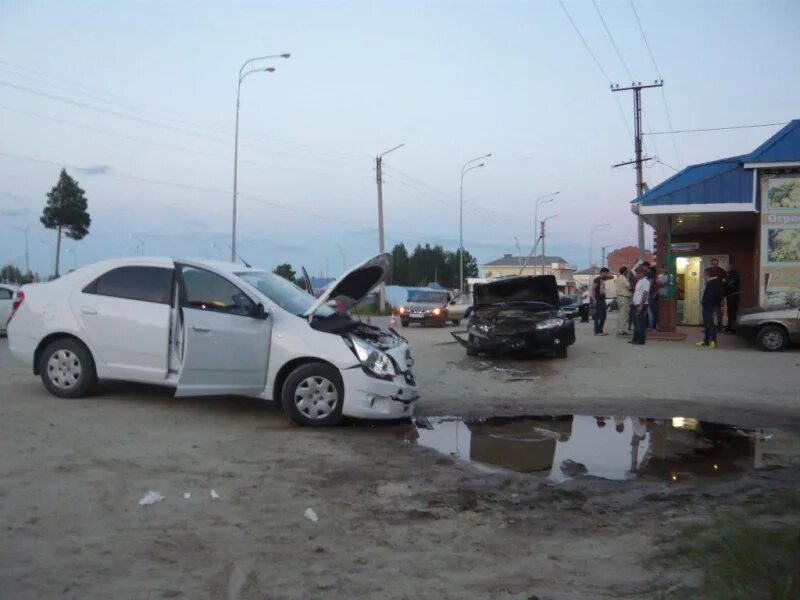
<point x="395" y="520"/>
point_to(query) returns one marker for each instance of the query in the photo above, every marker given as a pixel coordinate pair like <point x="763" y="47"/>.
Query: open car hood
<point x="541" y="288"/>
<point x="354" y="285"/>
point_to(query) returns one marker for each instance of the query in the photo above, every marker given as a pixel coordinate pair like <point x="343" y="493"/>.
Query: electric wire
<point x="716" y="128"/>
<point x="611" y="38"/>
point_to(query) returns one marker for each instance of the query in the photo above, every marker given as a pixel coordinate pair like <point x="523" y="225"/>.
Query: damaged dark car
<point x="518" y="314"/>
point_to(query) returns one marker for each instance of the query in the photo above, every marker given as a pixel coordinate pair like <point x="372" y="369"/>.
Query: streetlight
<point x="540" y="200"/>
<point x="27" y="259"/>
<point x="379" y="181"/>
<point x="242" y="75"/>
<point x="591" y="237"/>
<point x="466" y="168"/>
<point x="219" y="250"/>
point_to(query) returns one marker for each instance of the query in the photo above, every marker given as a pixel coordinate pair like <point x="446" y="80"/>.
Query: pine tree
<point x="66" y="210"/>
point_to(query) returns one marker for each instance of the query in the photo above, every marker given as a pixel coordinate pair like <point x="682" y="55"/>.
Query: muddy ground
<point x="395" y="520"/>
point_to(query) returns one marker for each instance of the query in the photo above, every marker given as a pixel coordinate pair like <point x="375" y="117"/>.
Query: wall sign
<point x="780" y="241"/>
<point x="685" y="246"/>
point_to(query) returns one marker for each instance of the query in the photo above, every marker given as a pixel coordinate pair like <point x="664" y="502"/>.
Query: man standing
<point x="641" y="295"/>
<point x="623" y="288"/>
<point x="711" y="302"/>
<point x="721" y="274"/>
<point x="658" y="294"/>
<point x="586" y="302"/>
<point x="732" y="295"/>
<point x="599" y="297"/>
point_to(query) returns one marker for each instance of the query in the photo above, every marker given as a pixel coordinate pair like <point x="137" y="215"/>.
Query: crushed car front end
<point x="520" y="327"/>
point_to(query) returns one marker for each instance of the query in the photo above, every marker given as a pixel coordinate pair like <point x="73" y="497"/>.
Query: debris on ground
<point x="214" y="494"/>
<point x="187" y="495"/>
<point x="311" y="515"/>
<point x="151" y="497"/>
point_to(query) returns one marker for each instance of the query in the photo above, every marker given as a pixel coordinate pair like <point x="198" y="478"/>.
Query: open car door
<point x="226" y="336"/>
<point x="307" y="282"/>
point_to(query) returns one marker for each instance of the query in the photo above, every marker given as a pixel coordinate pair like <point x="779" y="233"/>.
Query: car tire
<point x="67" y="368"/>
<point x="472" y="347"/>
<point x="772" y="338"/>
<point x="456" y="322"/>
<point x="313" y="394"/>
<point x="561" y="352"/>
<point x="403" y="323"/>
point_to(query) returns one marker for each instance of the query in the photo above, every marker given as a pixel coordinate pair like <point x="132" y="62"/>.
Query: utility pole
<point x="637" y="141"/>
<point x="379" y="180"/>
<point x="541" y="261"/>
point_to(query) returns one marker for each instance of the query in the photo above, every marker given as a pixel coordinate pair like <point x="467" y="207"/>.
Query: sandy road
<point x="395" y="520"/>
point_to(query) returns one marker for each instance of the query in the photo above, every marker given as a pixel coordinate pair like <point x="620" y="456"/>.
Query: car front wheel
<point x="313" y="394"/>
<point x="773" y="338"/>
<point x="67" y="368"/>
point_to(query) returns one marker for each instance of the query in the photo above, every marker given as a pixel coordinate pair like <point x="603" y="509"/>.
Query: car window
<point x="205" y="290"/>
<point x="147" y="284"/>
<point x="5" y="294"/>
<point x="284" y="293"/>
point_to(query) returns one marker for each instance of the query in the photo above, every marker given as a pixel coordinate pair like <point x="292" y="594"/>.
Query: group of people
<point x="639" y="291"/>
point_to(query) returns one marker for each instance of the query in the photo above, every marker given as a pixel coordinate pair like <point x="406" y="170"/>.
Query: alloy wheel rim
<point x="64" y="369"/>
<point x="316" y="397"/>
<point x="773" y="340"/>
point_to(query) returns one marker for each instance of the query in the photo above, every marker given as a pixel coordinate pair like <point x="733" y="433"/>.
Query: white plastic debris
<point x="187" y="495"/>
<point x="311" y="515"/>
<point x="150" y="497"/>
<point x="214" y="494"/>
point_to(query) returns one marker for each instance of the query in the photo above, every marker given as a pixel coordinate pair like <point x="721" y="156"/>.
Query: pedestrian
<point x="721" y="274"/>
<point x="641" y="295"/>
<point x="586" y="301"/>
<point x="652" y="301"/>
<point x="732" y="295"/>
<point x="624" y="293"/>
<point x="711" y="302"/>
<point x="599" y="297"/>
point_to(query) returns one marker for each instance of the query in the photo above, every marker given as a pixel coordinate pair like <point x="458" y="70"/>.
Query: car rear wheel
<point x="67" y="368"/>
<point x="773" y="338"/>
<point x="313" y="394"/>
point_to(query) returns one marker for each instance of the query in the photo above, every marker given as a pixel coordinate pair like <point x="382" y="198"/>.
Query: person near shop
<point x="599" y="297"/>
<point x="711" y="302"/>
<point x="586" y="302"/>
<point x="624" y="293"/>
<point x="721" y="274"/>
<point x="641" y="296"/>
<point x="733" y="293"/>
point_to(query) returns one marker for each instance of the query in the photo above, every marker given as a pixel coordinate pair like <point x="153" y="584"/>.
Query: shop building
<point x="744" y="211"/>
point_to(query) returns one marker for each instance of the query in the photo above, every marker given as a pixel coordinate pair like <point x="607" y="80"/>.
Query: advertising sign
<point x="780" y="241"/>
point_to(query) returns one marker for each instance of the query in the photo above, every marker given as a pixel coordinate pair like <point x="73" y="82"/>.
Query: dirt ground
<point x="395" y="520"/>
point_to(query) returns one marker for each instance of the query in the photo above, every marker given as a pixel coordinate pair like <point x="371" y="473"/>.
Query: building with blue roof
<point x="742" y="210"/>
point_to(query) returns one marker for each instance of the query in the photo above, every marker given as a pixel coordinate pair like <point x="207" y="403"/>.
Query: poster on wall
<point x="780" y="241"/>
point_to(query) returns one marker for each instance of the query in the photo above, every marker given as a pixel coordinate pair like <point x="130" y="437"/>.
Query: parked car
<point x="519" y="314"/>
<point x="570" y="306"/>
<point x="426" y="307"/>
<point x="211" y="328"/>
<point x="7" y="294"/>
<point x="773" y="328"/>
<point x="458" y="307"/>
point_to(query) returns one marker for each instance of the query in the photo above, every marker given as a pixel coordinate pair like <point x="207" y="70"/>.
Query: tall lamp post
<point x="540" y="200"/>
<point x="242" y="74"/>
<point x="591" y="240"/>
<point x="379" y="180"/>
<point x="466" y="168"/>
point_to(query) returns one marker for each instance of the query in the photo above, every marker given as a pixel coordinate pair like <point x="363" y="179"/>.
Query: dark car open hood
<point x="542" y="288"/>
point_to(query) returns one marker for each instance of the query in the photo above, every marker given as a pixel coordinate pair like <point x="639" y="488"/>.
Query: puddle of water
<point x="616" y="448"/>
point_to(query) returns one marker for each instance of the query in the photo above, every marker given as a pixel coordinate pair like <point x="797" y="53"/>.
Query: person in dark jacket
<point x="732" y="295"/>
<point x="711" y="302"/>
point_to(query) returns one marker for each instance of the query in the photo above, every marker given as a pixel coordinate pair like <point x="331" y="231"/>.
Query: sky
<point x="137" y="100"/>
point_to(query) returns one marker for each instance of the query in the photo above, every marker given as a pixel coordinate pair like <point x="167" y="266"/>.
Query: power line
<point x="715" y="128"/>
<point x="611" y="37"/>
<point x="585" y="45"/>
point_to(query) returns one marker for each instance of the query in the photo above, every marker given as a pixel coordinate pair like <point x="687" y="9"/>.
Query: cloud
<point x="94" y="169"/>
<point x="14" y="212"/>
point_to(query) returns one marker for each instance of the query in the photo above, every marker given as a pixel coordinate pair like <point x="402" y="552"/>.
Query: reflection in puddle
<point x="617" y="448"/>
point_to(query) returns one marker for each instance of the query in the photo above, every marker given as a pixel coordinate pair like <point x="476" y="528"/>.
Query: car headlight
<point x="549" y="323"/>
<point x="373" y="360"/>
<point x="401" y="310"/>
<point x="437" y="312"/>
<point x="483" y="328"/>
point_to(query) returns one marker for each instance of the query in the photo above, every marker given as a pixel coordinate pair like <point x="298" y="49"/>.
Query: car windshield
<point x="427" y="297"/>
<point x="284" y="293"/>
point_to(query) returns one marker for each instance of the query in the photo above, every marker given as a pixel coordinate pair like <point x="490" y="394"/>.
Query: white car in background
<point x="210" y="328"/>
<point x="7" y="294"/>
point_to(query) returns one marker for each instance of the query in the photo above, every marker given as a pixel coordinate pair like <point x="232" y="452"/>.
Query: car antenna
<point x="239" y="256"/>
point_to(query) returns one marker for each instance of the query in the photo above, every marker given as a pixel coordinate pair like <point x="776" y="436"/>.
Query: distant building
<point x="625" y="257"/>
<point x="584" y="277"/>
<point x="510" y="265"/>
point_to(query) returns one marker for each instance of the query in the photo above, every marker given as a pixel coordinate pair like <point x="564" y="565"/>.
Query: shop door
<point x="691" y="293"/>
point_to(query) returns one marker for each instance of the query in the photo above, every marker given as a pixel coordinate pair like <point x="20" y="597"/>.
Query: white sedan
<point x="7" y="293"/>
<point x="209" y="328"/>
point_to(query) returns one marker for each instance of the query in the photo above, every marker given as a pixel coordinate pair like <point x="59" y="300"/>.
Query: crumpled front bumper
<point x="367" y="397"/>
<point x="525" y="341"/>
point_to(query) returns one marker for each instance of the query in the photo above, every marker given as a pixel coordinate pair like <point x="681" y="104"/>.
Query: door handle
<point x="201" y="328"/>
<point x="89" y="310"/>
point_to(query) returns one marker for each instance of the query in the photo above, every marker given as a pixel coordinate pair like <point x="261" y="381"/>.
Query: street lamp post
<point x="540" y="200"/>
<point x="242" y="75"/>
<point x="466" y="168"/>
<point x="591" y="238"/>
<point x="379" y="181"/>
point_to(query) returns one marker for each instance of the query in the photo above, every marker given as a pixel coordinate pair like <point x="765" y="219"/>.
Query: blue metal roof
<point x="725" y="181"/>
<point x="784" y="146"/>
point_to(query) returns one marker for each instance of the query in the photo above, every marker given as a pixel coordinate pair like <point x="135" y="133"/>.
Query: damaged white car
<point x="211" y="328"/>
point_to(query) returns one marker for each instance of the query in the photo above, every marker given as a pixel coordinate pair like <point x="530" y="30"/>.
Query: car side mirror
<point x="260" y="312"/>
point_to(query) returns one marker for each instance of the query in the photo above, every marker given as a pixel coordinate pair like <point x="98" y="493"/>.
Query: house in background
<point x="509" y="266"/>
<point x="626" y="256"/>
